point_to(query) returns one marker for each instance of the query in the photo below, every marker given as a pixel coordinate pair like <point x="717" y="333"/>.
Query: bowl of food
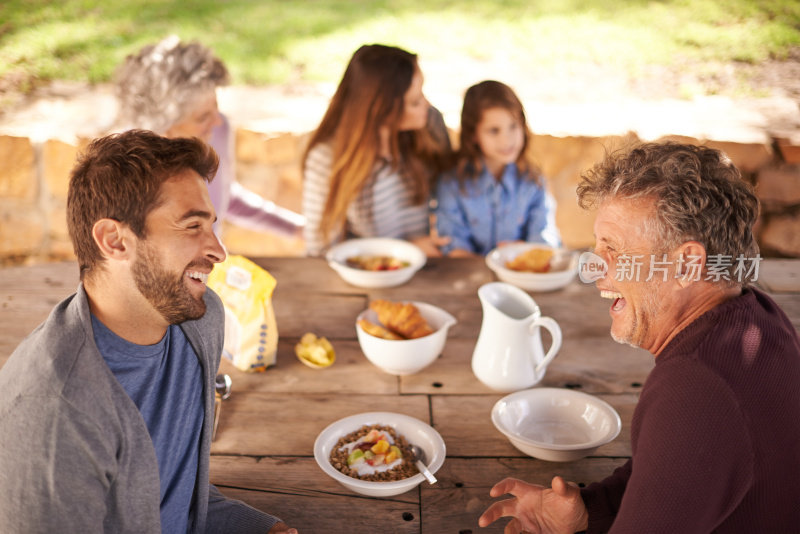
<point x="557" y="425"/>
<point x="402" y="338"/>
<point x="375" y="262"/>
<point x="350" y="451"/>
<point x="533" y="266"/>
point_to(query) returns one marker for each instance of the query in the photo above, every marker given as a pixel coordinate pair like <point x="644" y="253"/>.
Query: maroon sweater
<point x="716" y="433"/>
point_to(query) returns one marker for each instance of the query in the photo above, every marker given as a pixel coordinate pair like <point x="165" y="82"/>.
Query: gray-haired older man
<point x="716" y="435"/>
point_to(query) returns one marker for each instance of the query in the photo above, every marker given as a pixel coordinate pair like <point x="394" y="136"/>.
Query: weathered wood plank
<point x="466" y="426"/>
<point x="351" y="373"/>
<point x="334" y="514"/>
<point x="286" y="473"/>
<point x="332" y="316"/>
<point x="291" y="487"/>
<point x="299" y="492"/>
<point x="450" y="374"/>
<point x="27" y="295"/>
<point x="267" y="424"/>
<point x="595" y="365"/>
<point x="305" y="274"/>
<point x="263" y="452"/>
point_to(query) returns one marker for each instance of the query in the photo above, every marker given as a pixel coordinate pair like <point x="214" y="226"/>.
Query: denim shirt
<point x="485" y="212"/>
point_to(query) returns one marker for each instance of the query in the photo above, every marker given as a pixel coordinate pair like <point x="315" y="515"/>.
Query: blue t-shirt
<point x="165" y="381"/>
<point x="485" y="212"/>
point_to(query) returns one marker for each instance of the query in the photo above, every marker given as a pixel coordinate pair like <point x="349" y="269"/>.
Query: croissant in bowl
<point x="401" y="320"/>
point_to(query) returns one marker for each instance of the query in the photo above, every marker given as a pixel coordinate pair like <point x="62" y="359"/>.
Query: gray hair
<point x="155" y="86"/>
<point x="699" y="196"/>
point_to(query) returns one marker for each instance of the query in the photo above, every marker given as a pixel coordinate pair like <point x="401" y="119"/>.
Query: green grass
<point x="275" y="41"/>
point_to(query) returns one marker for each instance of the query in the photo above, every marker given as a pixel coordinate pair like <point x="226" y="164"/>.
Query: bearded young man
<point x="106" y="409"/>
<point x="715" y="437"/>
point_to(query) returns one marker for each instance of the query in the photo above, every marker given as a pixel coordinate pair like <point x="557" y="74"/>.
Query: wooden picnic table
<point x="263" y="452"/>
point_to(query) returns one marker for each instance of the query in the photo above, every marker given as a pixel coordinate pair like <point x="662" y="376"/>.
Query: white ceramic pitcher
<point x="509" y="355"/>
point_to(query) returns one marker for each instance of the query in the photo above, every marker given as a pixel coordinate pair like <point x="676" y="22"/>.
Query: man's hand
<point x="282" y="528"/>
<point x="536" y="509"/>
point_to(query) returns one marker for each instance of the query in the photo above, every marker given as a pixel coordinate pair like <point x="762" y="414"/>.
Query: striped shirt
<point x="383" y="208"/>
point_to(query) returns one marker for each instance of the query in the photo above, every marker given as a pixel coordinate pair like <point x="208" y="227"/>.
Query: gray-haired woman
<point x="170" y="88"/>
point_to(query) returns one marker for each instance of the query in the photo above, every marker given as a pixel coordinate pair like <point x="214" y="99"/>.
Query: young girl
<point x="369" y="165"/>
<point x="495" y="194"/>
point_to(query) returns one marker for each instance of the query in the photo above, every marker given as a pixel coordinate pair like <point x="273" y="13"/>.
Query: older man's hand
<point x="536" y="509"/>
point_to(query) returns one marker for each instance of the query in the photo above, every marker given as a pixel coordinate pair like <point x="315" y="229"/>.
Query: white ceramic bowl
<point x="564" y="267"/>
<point x="416" y="433"/>
<point x="375" y="246"/>
<point x="558" y="425"/>
<point x="406" y="356"/>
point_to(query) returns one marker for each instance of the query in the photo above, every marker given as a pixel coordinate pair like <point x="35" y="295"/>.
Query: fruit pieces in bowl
<point x="374" y="453"/>
<point x="400" y="320"/>
<point x="376" y="263"/>
<point x="422" y="434"/>
<point x="341" y="256"/>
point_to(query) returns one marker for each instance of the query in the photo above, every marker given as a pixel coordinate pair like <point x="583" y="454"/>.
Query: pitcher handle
<point x="552" y="326"/>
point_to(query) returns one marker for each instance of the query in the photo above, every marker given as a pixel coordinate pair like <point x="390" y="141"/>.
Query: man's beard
<point x="168" y="294"/>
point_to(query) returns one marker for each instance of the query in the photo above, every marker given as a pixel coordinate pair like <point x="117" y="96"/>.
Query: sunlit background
<point x="276" y="41"/>
<point x="585" y="70"/>
<point x="553" y="53"/>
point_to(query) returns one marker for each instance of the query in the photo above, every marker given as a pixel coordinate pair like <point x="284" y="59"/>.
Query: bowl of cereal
<point x="370" y="453"/>
<point x="375" y="262"/>
<point x="533" y="266"/>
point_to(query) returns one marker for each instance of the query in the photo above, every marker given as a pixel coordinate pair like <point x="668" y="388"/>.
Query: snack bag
<point x="251" y="332"/>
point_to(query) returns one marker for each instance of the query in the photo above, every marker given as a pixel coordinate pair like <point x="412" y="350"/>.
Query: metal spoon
<point x="419" y="455"/>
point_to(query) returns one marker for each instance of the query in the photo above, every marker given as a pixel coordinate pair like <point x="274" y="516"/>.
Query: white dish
<point x="564" y="267"/>
<point x="406" y="356"/>
<point x="416" y="433"/>
<point x="375" y="246"/>
<point x="558" y="425"/>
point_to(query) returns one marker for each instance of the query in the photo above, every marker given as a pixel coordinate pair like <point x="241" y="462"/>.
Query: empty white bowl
<point x="558" y="425"/>
<point x="416" y="433"/>
<point x="564" y="267"/>
<point x="375" y="246"/>
<point x="406" y="356"/>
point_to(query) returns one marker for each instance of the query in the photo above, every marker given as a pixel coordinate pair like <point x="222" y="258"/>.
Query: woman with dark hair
<point x="495" y="194"/>
<point x="369" y="165"/>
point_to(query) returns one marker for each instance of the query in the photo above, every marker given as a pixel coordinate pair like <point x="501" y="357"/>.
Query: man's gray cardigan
<point x="75" y="454"/>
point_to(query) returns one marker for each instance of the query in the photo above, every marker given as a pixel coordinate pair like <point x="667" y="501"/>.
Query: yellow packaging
<point x="251" y="332"/>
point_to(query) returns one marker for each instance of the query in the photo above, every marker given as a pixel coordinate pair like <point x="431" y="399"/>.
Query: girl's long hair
<point x="370" y="96"/>
<point x="478" y="98"/>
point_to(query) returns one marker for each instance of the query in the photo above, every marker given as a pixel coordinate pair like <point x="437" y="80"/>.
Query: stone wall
<point x="34" y="177"/>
